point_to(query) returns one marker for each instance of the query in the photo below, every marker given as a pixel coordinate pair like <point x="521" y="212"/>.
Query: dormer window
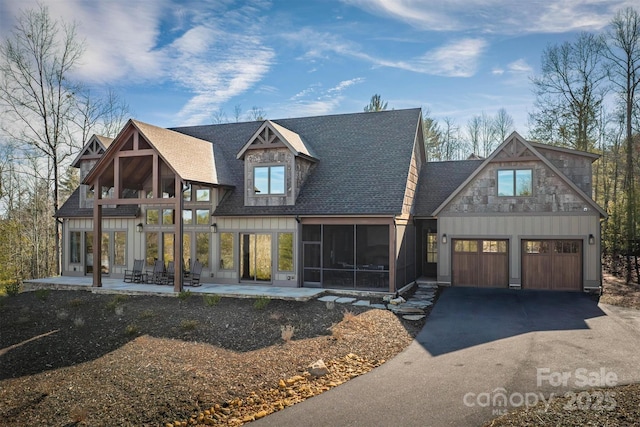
<point x="269" y="180"/>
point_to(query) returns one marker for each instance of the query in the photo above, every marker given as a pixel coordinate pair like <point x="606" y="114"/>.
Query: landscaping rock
<point x="364" y="303"/>
<point x="345" y="300"/>
<point x="397" y="301"/>
<point x="318" y="368"/>
<point x="413" y="316"/>
<point x="328" y="298"/>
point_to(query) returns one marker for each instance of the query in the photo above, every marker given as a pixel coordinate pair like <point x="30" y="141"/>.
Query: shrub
<point x="348" y="315"/>
<point x="261" y="302"/>
<point x="119" y="310"/>
<point x="116" y="301"/>
<point x="147" y="314"/>
<point x="286" y="332"/>
<point x="13" y="288"/>
<point x="42" y="294"/>
<point x="131" y="329"/>
<point x="78" y="415"/>
<point x="184" y="295"/>
<point x="189" y="325"/>
<point x="211" y="300"/>
<point x="62" y="314"/>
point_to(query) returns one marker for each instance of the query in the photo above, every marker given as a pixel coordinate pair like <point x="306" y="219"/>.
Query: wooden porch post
<point x="178" y="249"/>
<point x="97" y="233"/>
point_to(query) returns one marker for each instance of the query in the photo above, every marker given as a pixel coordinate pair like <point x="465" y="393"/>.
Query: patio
<point x="118" y="286"/>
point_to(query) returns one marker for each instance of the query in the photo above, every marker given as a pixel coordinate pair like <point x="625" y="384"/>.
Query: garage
<point x="552" y="265"/>
<point x="480" y="263"/>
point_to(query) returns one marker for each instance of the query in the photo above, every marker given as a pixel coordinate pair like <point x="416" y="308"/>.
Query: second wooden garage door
<point x="481" y="263"/>
<point x="552" y="264"/>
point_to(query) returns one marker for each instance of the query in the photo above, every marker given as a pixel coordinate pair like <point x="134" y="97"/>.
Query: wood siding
<point x="412" y="180"/>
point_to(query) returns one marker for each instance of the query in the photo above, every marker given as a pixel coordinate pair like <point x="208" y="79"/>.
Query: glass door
<point x="255" y="257"/>
<point x="88" y="269"/>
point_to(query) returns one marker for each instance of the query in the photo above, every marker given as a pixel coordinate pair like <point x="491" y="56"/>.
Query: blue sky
<point x="180" y="62"/>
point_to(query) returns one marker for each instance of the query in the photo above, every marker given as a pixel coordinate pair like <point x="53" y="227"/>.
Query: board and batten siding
<point x="516" y="228"/>
<point x="272" y="225"/>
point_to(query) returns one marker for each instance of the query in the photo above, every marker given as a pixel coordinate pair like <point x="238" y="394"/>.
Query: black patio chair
<point x="155" y="275"/>
<point x="193" y="279"/>
<point x="135" y="275"/>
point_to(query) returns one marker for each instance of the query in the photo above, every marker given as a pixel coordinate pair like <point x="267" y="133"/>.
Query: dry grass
<point x="287" y="332"/>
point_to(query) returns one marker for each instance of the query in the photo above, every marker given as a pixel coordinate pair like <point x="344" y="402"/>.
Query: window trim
<point x="514" y="182"/>
<point x="269" y="180"/>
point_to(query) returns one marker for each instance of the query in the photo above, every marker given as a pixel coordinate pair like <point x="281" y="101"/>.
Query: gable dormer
<point x="276" y="163"/>
<point x="86" y="160"/>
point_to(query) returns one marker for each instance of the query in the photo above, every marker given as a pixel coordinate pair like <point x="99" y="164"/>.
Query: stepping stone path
<point x="413" y="309"/>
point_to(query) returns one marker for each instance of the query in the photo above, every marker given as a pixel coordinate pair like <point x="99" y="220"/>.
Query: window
<point x="167" y="247"/>
<point x="268" y="179"/>
<point x="167" y="216"/>
<point x="187" y="217"/>
<point x="152" y="217"/>
<point x="152" y="248"/>
<point x="432" y="247"/>
<point x="119" y="247"/>
<point x="74" y="247"/>
<point x="226" y="251"/>
<point x="494" y="246"/>
<point x="516" y="182"/>
<point x="203" y="195"/>
<point x="202" y="216"/>
<point x="537" y="247"/>
<point x="466" y="246"/>
<point x="202" y="248"/>
<point x="285" y="251"/>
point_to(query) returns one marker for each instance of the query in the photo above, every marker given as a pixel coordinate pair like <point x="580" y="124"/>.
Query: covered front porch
<point x="118" y="286"/>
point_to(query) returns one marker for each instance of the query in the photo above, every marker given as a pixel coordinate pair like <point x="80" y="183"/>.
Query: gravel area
<point x="76" y="358"/>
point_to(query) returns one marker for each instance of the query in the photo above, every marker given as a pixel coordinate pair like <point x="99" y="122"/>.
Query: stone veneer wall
<point x="550" y="193"/>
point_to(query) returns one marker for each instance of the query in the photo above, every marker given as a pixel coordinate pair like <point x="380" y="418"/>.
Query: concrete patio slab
<point x="230" y="291"/>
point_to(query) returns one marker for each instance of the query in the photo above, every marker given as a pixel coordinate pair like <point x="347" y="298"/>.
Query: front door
<point x="255" y="257"/>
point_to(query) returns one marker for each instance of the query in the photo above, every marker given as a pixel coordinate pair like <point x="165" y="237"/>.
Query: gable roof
<point x="516" y="137"/>
<point x="101" y="141"/>
<point x="289" y="138"/>
<point x="438" y="180"/>
<point x="191" y="158"/>
<point x="363" y="165"/>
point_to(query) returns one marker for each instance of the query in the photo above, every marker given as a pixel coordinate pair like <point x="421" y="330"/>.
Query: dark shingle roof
<point x="363" y="162"/>
<point x="71" y="209"/>
<point x="438" y="180"/>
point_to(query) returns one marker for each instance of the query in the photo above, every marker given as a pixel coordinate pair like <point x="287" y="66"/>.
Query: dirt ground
<point x="76" y="358"/>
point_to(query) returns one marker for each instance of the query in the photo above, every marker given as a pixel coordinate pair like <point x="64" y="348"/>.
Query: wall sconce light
<point x="214" y="227"/>
<point x="592" y="239"/>
<point x="139" y="227"/>
<point x="444" y="239"/>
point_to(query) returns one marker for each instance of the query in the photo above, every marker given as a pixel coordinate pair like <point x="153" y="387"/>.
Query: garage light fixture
<point x="592" y="239"/>
<point x="139" y="227"/>
<point x="444" y="239"/>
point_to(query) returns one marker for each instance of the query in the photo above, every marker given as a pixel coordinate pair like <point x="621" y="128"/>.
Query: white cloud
<point x="497" y="16"/>
<point x="497" y="71"/>
<point x="345" y="84"/>
<point x="314" y="100"/>
<point x="520" y="66"/>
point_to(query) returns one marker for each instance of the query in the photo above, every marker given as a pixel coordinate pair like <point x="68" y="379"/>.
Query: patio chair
<point x="136" y="275"/>
<point x="193" y="279"/>
<point x="155" y="276"/>
<point x="167" y="278"/>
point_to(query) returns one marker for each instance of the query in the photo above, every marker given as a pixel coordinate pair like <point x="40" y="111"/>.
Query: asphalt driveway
<point x="478" y="346"/>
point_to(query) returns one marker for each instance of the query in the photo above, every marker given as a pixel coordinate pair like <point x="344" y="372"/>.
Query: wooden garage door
<point x="552" y="264"/>
<point x="481" y="263"/>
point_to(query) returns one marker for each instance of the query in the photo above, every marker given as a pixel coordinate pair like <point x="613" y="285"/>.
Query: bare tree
<point x="569" y="93"/>
<point x="376" y="104"/>
<point x="219" y="116"/>
<point x="451" y="139"/>
<point x="473" y="131"/>
<point x="487" y="134"/>
<point x="256" y="114"/>
<point x="237" y="112"/>
<point x="623" y="51"/>
<point x="503" y="124"/>
<point x="36" y="96"/>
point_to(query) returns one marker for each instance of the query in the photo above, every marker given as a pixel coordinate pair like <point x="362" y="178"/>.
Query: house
<point x="343" y="201"/>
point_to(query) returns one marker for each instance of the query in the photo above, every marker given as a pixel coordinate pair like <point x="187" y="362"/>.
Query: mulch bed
<point x="77" y="358"/>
